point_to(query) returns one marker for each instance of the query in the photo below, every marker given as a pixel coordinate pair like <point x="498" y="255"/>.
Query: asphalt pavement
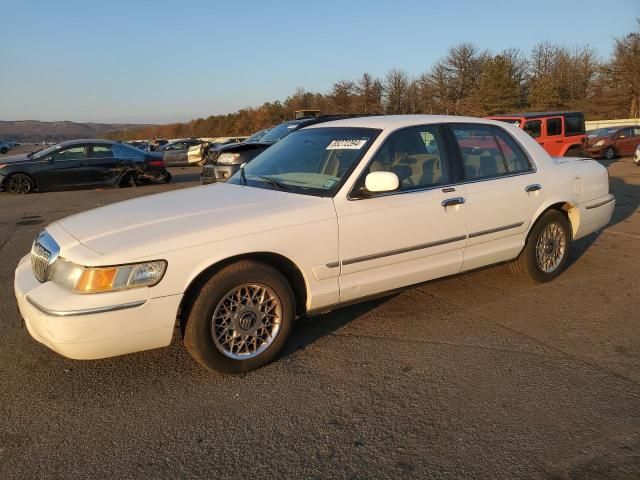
<point x="482" y="375"/>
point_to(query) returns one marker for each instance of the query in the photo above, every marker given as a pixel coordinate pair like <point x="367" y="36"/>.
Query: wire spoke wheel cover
<point x="551" y="247"/>
<point x="246" y="321"/>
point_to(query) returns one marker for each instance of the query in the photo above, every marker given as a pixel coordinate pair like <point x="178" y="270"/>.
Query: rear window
<point x="554" y="126"/>
<point x="533" y="128"/>
<point x="574" y="125"/>
<point x="489" y="152"/>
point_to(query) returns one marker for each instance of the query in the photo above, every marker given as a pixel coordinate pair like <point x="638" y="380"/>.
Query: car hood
<point x="148" y="226"/>
<point x="14" y="159"/>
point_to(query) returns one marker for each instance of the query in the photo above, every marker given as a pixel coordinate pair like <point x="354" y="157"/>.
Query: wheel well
<point x="568" y="210"/>
<point x="285" y="266"/>
<point x="35" y="184"/>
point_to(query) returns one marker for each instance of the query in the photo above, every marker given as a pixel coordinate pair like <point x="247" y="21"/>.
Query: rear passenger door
<point x="104" y="168"/>
<point x="553" y="141"/>
<point x="627" y="141"/>
<point x="503" y="190"/>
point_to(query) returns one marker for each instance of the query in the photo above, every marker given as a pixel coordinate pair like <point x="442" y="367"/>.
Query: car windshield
<point x="312" y="162"/>
<point x="256" y="136"/>
<point x="602" y="132"/>
<point x="279" y="132"/>
<point x="46" y="151"/>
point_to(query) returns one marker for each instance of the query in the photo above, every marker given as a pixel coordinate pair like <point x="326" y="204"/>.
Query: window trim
<point x="442" y="130"/>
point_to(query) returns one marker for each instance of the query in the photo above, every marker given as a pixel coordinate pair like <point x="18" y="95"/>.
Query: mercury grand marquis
<point x="335" y="213"/>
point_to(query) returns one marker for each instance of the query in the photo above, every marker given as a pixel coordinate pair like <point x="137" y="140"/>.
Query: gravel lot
<point x="478" y="376"/>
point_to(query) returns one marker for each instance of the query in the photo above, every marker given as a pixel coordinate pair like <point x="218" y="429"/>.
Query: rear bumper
<point x="93" y="326"/>
<point x="594" y="215"/>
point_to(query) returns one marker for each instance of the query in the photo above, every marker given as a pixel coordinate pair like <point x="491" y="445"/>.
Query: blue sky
<point x="163" y="61"/>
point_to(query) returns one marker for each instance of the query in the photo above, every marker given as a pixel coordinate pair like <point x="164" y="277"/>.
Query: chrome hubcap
<point x="246" y="321"/>
<point x="551" y="247"/>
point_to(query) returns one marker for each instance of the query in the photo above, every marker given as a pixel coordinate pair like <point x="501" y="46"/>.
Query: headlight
<point x="227" y="158"/>
<point x="599" y="143"/>
<point x="107" y="279"/>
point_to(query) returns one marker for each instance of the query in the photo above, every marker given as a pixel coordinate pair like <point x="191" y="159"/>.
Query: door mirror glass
<point x="378" y="182"/>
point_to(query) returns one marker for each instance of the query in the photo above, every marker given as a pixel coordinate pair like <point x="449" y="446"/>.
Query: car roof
<point x="68" y="143"/>
<point x="534" y="114"/>
<point x="392" y="122"/>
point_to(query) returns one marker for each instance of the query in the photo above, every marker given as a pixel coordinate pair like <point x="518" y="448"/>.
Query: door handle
<point x="533" y="188"/>
<point x="450" y="202"/>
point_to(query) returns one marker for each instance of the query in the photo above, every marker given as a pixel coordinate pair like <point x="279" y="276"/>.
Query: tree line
<point x="466" y="81"/>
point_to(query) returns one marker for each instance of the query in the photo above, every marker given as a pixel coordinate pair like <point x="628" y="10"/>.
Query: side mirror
<point x="379" y="182"/>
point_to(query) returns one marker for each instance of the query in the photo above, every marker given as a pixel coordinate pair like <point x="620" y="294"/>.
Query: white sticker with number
<point x="346" y="144"/>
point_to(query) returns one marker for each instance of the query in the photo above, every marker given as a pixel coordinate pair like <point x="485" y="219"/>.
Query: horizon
<point x="169" y="65"/>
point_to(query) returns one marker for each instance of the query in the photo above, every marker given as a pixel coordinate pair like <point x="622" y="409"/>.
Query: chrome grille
<point x="44" y="253"/>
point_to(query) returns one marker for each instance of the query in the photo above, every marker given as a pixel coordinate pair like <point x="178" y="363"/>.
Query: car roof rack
<point x="330" y="118"/>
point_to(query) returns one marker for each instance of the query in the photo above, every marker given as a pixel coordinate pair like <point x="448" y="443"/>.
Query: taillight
<point x="157" y="163"/>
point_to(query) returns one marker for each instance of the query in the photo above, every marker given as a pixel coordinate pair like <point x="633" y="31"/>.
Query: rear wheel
<point x="166" y="177"/>
<point x="20" y="184"/>
<point x="609" y="153"/>
<point x="575" y="152"/>
<point x="4" y="150"/>
<point x="129" y="180"/>
<point x="546" y="252"/>
<point x="241" y="318"/>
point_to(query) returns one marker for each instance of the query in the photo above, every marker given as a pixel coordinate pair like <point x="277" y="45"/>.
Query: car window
<point x="72" y="153"/>
<point x="416" y="155"/>
<point x="101" y="151"/>
<point x="554" y="126"/>
<point x="574" y="125"/>
<point x="124" y="151"/>
<point x="488" y="152"/>
<point x="533" y="128"/>
<point x="636" y="132"/>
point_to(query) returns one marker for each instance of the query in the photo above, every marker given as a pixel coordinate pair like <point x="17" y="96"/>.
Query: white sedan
<point x="335" y="213"/>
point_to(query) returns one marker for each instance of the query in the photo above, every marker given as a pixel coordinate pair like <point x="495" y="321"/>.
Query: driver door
<point x="414" y="234"/>
<point x="65" y="168"/>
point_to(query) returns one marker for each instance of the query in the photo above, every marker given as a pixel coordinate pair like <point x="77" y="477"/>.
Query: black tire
<point x="198" y="333"/>
<point x="4" y="150"/>
<point x="575" y="152"/>
<point x="609" y="153"/>
<point x="128" y="180"/>
<point x="19" y="184"/>
<point x="530" y="260"/>
<point x="166" y="177"/>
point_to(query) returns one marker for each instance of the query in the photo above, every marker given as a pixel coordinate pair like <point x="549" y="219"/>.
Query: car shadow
<point x="308" y="330"/>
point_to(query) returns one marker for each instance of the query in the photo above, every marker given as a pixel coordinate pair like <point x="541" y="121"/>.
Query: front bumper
<point x="92" y="326"/>
<point x="212" y="173"/>
<point x="595" y="151"/>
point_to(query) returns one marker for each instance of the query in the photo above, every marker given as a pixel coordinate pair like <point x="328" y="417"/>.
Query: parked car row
<point x="81" y="163"/>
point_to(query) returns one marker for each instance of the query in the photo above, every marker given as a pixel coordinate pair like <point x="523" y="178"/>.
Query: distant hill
<point x="35" y="131"/>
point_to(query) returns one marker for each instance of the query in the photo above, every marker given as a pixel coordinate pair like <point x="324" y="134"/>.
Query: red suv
<point x="561" y="134"/>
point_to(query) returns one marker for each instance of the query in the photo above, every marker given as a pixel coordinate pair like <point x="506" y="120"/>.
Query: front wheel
<point x="166" y="177"/>
<point x="4" y="150"/>
<point x="241" y="318"/>
<point x="546" y="252"/>
<point x="19" y="184"/>
<point x="609" y="153"/>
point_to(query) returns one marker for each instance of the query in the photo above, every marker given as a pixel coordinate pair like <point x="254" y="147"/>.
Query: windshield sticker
<point x="346" y="144"/>
<point x="329" y="183"/>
